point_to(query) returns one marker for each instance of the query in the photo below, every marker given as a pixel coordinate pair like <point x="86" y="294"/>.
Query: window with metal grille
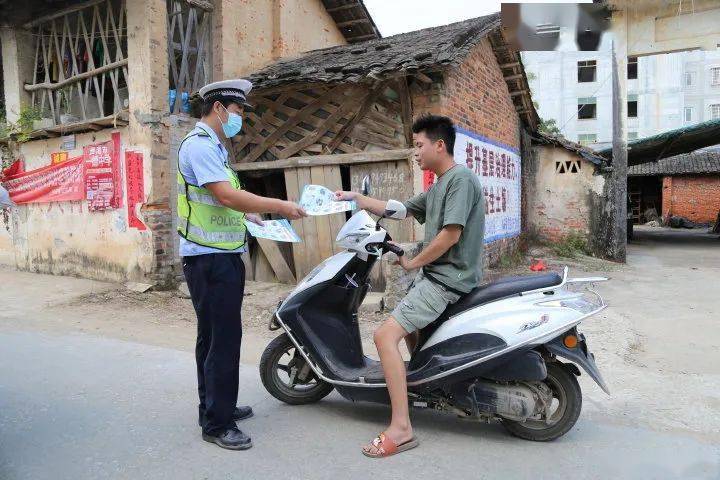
<point x="587" y="138"/>
<point x="189" y="47"/>
<point x="80" y="73"/>
<point x="715" y="111"/>
<point x="587" y="108"/>
<point x="632" y="68"/>
<point x="632" y="106"/>
<point x="690" y="78"/>
<point x="586" y="71"/>
<point x="715" y="75"/>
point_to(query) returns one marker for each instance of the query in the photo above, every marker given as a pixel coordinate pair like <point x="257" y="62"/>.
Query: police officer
<point x="212" y="210"/>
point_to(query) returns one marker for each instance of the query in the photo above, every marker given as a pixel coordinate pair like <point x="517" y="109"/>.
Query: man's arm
<point x="372" y="205"/>
<point x="443" y="241"/>
<point x="244" y="201"/>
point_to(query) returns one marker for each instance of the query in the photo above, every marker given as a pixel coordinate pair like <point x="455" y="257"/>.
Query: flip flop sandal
<point x="385" y="447"/>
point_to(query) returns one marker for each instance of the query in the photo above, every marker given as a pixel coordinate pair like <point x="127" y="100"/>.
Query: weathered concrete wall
<point x="65" y="238"/>
<point x="695" y="197"/>
<point x="249" y="34"/>
<point x="7" y="252"/>
<point x="660" y="27"/>
<point x="559" y="204"/>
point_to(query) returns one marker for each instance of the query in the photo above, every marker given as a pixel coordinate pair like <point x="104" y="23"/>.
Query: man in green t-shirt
<point x="453" y="211"/>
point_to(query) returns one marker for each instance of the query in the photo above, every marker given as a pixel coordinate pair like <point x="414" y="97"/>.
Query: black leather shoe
<point x="232" y="439"/>
<point x="241" y="413"/>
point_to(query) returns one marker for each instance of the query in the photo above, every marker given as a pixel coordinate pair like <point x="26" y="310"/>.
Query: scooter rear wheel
<point x="567" y="403"/>
<point x="281" y="366"/>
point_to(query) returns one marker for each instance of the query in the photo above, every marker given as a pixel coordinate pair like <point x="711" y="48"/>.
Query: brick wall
<point x="159" y="219"/>
<point x="477" y="99"/>
<point x="475" y="96"/>
<point x="695" y="197"/>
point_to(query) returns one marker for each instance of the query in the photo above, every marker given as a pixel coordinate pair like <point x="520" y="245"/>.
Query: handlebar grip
<point x="395" y="249"/>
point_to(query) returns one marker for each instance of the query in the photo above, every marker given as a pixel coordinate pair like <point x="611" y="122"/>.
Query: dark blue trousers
<point x="216" y="282"/>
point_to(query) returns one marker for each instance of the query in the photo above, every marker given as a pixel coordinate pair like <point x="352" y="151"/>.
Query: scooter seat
<point x="505" y="287"/>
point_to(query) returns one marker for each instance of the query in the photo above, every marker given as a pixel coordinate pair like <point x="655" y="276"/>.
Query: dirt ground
<point x="658" y="345"/>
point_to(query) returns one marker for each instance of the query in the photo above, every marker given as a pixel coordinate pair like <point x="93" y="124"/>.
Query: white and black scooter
<point x="495" y="354"/>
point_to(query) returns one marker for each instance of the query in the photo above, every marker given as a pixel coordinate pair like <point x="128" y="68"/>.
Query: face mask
<point x="233" y="125"/>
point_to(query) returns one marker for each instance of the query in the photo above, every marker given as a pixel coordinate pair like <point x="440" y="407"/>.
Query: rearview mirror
<point x="366" y="185"/>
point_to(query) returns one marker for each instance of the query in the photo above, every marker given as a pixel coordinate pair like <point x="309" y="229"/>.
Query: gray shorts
<point x="423" y="304"/>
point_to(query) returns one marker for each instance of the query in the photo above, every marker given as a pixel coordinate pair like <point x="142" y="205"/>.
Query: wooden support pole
<point x="406" y="110"/>
<point x="513" y="77"/>
<point x="342" y="7"/>
<point x="276" y="260"/>
<point x="77" y="78"/>
<point x="423" y="78"/>
<point x="316" y="160"/>
<point x="361" y="38"/>
<point x="349" y="23"/>
<point x="62" y="12"/>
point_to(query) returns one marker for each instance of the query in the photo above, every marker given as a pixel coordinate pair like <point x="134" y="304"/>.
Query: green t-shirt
<point x="455" y="199"/>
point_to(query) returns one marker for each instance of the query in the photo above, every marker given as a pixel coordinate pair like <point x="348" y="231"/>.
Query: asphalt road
<point x="84" y="407"/>
<point x="109" y="392"/>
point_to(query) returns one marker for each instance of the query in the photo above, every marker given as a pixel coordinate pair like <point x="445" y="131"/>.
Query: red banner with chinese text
<point x="102" y="174"/>
<point x="135" y="187"/>
<point x="55" y="183"/>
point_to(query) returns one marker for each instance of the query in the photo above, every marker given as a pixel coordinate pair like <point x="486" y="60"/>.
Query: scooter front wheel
<point x="287" y="376"/>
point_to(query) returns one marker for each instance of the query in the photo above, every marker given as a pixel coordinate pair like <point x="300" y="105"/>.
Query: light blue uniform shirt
<point x="202" y="161"/>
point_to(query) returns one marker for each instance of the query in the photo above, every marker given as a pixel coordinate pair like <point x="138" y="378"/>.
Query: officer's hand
<point x="292" y="211"/>
<point x="256" y="219"/>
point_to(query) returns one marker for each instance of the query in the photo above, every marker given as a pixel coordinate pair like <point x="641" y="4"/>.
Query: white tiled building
<point x="665" y="92"/>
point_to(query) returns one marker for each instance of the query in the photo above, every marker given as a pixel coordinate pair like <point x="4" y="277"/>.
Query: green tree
<point x="549" y="127"/>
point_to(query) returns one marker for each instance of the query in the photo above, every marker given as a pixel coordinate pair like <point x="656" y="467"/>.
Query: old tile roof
<point x="560" y="141"/>
<point x="686" y="164"/>
<point x="423" y="50"/>
<point x="353" y="19"/>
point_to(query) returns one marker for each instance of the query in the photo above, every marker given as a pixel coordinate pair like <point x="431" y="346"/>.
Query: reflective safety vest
<point x="204" y="220"/>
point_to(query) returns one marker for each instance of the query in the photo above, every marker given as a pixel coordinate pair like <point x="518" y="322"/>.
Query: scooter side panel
<point x="452" y="353"/>
<point x="327" y="270"/>
<point x="515" y="320"/>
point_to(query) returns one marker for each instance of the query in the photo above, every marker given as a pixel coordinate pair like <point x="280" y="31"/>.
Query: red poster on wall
<point x="55" y="183"/>
<point x="428" y="179"/>
<point x="135" y="187"/>
<point x="102" y="175"/>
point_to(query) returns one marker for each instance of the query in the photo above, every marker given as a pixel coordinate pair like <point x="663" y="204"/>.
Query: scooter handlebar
<point x="397" y="250"/>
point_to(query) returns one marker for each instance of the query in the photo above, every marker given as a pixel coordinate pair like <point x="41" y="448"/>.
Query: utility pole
<point x="615" y="211"/>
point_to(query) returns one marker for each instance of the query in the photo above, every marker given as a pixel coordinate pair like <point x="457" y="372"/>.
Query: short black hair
<point x="437" y="128"/>
<point x="200" y="107"/>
